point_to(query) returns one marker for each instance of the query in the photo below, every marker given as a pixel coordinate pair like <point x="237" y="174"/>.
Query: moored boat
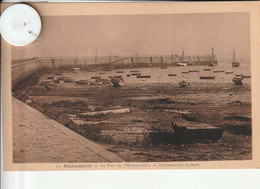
<point x="207" y="77"/>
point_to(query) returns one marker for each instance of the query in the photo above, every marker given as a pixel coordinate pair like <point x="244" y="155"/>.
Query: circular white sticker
<point x="20" y="24"/>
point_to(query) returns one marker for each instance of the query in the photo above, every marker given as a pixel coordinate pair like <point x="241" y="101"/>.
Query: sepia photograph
<point x="140" y="88"/>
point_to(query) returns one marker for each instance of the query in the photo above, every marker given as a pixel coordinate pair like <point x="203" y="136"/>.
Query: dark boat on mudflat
<point x="218" y="71"/>
<point x="238" y="80"/>
<point x="229" y="72"/>
<point x="135" y="73"/>
<point x="117" y="81"/>
<point x="185" y="72"/>
<point x="143" y="76"/>
<point x="189" y="132"/>
<point x="191" y="71"/>
<point x="207" y="77"/>
<point x="171" y="75"/>
<point x="207" y="69"/>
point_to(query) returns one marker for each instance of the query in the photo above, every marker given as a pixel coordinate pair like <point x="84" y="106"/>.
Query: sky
<point x="66" y="36"/>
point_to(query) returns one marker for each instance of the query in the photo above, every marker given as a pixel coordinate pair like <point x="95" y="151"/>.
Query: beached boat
<point x="218" y="71"/>
<point x="76" y="69"/>
<point x="83" y="82"/>
<point x="234" y="62"/>
<point x="182" y="63"/>
<point x="143" y="76"/>
<point x="117" y="82"/>
<point x="120" y="72"/>
<point x="95" y="77"/>
<point x="191" y="71"/>
<point x="183" y="84"/>
<point x="229" y="72"/>
<point x="135" y="73"/>
<point x="207" y="77"/>
<point x="171" y="75"/>
<point x="189" y="132"/>
<point x="246" y="76"/>
<point x="185" y="72"/>
<point x="207" y="69"/>
<point x="238" y="80"/>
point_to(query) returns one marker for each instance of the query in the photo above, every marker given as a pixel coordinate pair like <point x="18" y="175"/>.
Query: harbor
<point x="130" y="111"/>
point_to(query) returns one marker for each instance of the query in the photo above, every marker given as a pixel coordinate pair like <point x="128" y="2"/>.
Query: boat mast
<point x="234" y="55"/>
<point x="182" y="56"/>
<point x="212" y="53"/>
<point x="96" y="57"/>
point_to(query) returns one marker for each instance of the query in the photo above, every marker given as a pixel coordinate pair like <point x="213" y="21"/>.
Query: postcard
<point x="134" y="86"/>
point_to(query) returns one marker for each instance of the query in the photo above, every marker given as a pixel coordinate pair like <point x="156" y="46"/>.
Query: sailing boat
<point x="212" y="63"/>
<point x="182" y="62"/>
<point x="234" y="62"/>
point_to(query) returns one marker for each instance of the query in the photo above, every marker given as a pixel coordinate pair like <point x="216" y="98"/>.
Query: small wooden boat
<point x="120" y="72"/>
<point x="246" y="76"/>
<point x="83" y="82"/>
<point x="76" y="69"/>
<point x="212" y="64"/>
<point x="136" y="74"/>
<point x="185" y="72"/>
<point x="183" y="84"/>
<point x="171" y="75"/>
<point x="143" y="76"/>
<point x="189" y="132"/>
<point x="229" y="72"/>
<point x="207" y="69"/>
<point x="218" y="71"/>
<point x="164" y="67"/>
<point x="95" y="77"/>
<point x="182" y="64"/>
<point x="107" y="70"/>
<point x="238" y="80"/>
<point x="134" y="71"/>
<point x="191" y="71"/>
<point x="207" y="77"/>
<point x="117" y="82"/>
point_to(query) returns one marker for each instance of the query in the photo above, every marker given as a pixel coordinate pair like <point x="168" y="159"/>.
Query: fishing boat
<point x="120" y="72"/>
<point x="207" y="77"/>
<point x="171" y="75"/>
<point x="187" y="131"/>
<point x="207" y="69"/>
<point x="234" y="62"/>
<point x="117" y="82"/>
<point x="246" y="76"/>
<point x="185" y="72"/>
